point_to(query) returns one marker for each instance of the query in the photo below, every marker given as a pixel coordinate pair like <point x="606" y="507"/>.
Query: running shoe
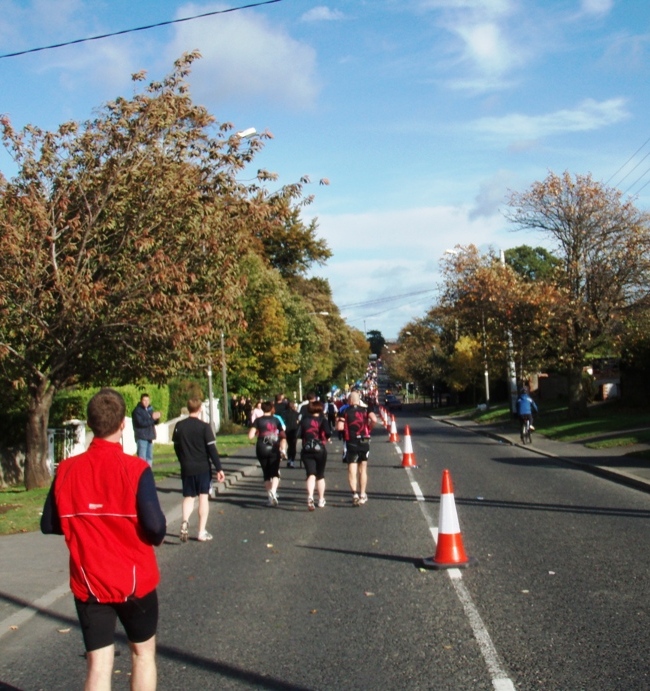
<point x="273" y="499"/>
<point x="204" y="536"/>
<point x="291" y="464"/>
<point x="363" y="499"/>
<point x="321" y="503"/>
<point x="310" y="503"/>
<point x="184" y="534"/>
<point x="355" y="499"/>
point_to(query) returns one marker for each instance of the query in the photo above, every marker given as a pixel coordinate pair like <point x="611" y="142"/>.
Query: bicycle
<point x="525" y="430"/>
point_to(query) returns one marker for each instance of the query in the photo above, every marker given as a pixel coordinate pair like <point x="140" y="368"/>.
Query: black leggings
<point x="315" y="462"/>
<point x="270" y="462"/>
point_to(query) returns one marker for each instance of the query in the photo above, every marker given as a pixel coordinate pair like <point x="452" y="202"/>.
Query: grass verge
<point x="20" y="509"/>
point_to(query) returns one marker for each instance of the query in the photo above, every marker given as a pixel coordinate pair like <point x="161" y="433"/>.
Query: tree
<point x="292" y="248"/>
<point x="264" y="353"/>
<point x="465" y="364"/>
<point x="603" y="243"/>
<point x="505" y="312"/>
<point x="533" y="263"/>
<point x="419" y="356"/>
<point x="120" y="246"/>
<point x="377" y="342"/>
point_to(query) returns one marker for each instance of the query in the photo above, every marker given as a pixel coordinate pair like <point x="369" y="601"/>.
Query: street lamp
<point x="244" y="134"/>
<point x="224" y="380"/>
<point x="210" y="394"/>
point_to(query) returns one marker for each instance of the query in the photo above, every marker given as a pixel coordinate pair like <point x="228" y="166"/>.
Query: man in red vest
<point x="106" y="505"/>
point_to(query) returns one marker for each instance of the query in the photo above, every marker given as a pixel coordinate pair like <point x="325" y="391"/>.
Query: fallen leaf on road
<point x="313" y="611"/>
<point x="13" y="627"/>
<point x="367" y="593"/>
<point x="63" y="630"/>
<point x="269" y="545"/>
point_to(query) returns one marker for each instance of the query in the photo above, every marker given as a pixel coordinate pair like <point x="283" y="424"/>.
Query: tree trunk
<point x="577" y="398"/>
<point x="37" y="473"/>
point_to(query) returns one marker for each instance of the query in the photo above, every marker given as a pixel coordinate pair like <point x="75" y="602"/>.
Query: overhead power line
<point x="380" y="301"/>
<point x="139" y="28"/>
<point x="626" y="162"/>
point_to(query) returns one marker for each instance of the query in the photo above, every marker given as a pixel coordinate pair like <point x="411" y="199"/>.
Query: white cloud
<point x="246" y="56"/>
<point x="599" y="7"/>
<point x="321" y="13"/>
<point x="489" y="43"/>
<point x="379" y="255"/>
<point x="492" y="195"/>
<point x="589" y="115"/>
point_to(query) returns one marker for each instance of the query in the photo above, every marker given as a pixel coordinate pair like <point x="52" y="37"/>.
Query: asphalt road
<point x="337" y="599"/>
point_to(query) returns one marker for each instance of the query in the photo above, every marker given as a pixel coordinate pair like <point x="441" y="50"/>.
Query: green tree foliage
<point x="268" y="349"/>
<point x="292" y="248"/>
<point x="181" y="389"/>
<point x="120" y="246"/>
<point x="533" y="263"/>
<point x="376" y="341"/>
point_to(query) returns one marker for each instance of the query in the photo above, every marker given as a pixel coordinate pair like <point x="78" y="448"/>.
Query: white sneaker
<point x="204" y="536"/>
<point x="310" y="503"/>
<point x="321" y="503"/>
<point x="273" y="499"/>
<point x="363" y="499"/>
<point x="355" y="499"/>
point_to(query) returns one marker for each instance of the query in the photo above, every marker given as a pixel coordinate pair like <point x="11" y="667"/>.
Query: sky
<point x="424" y="115"/>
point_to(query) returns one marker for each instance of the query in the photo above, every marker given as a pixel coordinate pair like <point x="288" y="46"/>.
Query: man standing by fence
<point x="144" y="428"/>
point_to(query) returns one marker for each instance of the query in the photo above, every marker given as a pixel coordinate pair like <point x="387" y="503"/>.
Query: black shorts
<point x="193" y="485"/>
<point x="139" y="617"/>
<point x="356" y="451"/>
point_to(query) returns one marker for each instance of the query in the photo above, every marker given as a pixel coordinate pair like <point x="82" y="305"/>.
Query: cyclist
<point x="525" y="407"/>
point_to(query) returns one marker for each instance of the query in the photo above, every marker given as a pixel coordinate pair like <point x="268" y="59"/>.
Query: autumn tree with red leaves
<point x="120" y="246"/>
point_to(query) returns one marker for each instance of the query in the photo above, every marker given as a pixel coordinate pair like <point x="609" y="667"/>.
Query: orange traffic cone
<point x="408" y="460"/>
<point x="393" y="430"/>
<point x="450" y="552"/>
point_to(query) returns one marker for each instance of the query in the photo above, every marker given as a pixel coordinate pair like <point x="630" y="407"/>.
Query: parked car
<point x="393" y="402"/>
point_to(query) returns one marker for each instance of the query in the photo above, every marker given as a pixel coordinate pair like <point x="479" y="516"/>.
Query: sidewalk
<point x="34" y="567"/>
<point x="611" y="463"/>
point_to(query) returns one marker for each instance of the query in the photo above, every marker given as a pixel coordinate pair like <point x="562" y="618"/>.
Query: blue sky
<point x="423" y="114"/>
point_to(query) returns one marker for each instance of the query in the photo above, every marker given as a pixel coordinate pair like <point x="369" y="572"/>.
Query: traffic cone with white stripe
<point x="393" y="430"/>
<point x="450" y="552"/>
<point x="408" y="459"/>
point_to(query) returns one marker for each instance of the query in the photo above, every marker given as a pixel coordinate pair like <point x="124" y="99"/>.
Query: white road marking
<point x="26" y="613"/>
<point x="500" y="679"/>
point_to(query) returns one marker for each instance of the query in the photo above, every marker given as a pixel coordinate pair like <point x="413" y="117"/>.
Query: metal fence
<point x="62" y="443"/>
